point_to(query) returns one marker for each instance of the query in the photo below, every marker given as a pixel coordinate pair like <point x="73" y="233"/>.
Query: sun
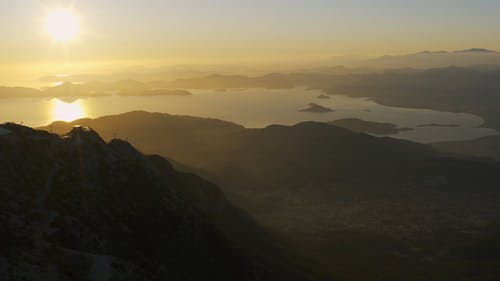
<point x="62" y="25"/>
<point x="63" y="111"/>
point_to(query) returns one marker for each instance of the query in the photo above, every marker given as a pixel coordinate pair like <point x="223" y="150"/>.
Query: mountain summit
<point x="78" y="208"/>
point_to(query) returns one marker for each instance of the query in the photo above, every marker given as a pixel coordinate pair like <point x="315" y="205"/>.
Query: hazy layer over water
<point x="252" y="108"/>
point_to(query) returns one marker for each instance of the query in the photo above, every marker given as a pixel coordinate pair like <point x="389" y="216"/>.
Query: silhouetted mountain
<point x="358" y="207"/>
<point x="452" y="89"/>
<point x="147" y="73"/>
<point x="338" y="70"/>
<point x="71" y="91"/>
<point x="123" y="87"/>
<point x="476" y="51"/>
<point x="215" y="145"/>
<point x="157" y="92"/>
<point x="78" y="208"/>
<point x="272" y="81"/>
<point x="429" y="59"/>
<point x="316" y="108"/>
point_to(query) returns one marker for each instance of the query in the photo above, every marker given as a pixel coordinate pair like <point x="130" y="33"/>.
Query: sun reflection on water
<point x="65" y="111"/>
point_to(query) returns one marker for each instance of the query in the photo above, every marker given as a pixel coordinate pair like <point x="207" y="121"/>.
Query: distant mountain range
<point x="471" y="89"/>
<point x="434" y="59"/>
<point x="468" y="51"/>
<point x="454" y="89"/>
<point x="477" y="51"/>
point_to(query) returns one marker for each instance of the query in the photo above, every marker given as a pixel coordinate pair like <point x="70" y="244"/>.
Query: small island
<point x="323" y="96"/>
<point x="438" y="125"/>
<point x="316" y="108"/>
<point x="369" y="127"/>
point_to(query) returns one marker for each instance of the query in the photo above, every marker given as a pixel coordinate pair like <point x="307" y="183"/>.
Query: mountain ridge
<point x="78" y="206"/>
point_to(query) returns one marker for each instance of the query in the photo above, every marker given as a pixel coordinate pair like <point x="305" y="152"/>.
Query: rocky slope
<point x="78" y="208"/>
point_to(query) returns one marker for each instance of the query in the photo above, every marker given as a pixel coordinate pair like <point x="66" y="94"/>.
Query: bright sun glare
<point x="64" y="111"/>
<point x="62" y="25"/>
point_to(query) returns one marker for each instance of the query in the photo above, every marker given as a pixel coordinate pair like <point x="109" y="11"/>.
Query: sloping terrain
<point x="357" y="206"/>
<point x="488" y="147"/>
<point x="78" y="208"/>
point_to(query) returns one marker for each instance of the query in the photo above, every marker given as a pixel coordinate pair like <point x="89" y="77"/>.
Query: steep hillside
<point x="78" y="208"/>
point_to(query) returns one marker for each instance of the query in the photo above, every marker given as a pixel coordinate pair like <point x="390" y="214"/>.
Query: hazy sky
<point x="233" y="29"/>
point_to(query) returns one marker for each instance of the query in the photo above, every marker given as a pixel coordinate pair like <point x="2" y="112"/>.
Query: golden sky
<point x="233" y="30"/>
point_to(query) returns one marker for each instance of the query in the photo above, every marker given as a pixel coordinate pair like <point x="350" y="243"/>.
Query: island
<point x="316" y="108"/>
<point x="438" y="125"/>
<point x="323" y="96"/>
<point x="369" y="127"/>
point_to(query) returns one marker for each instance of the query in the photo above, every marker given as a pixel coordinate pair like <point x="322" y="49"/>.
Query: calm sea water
<point x="251" y="108"/>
